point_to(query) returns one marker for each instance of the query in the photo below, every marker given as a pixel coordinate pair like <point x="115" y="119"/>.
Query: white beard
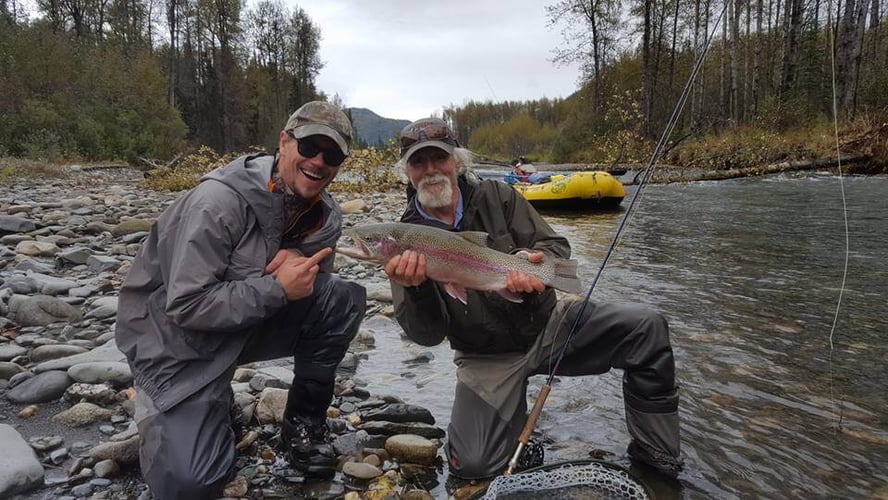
<point x="438" y="195"/>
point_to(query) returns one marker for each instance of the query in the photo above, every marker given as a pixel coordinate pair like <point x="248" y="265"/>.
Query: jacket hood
<point x="249" y="175"/>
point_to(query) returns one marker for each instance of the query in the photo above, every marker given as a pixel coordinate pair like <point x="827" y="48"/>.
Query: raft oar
<point x="537" y="409"/>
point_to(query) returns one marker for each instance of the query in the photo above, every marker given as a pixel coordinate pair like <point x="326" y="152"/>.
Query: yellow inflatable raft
<point x="580" y="190"/>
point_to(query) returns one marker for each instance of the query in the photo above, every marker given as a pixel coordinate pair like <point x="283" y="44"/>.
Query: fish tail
<point x="566" y="278"/>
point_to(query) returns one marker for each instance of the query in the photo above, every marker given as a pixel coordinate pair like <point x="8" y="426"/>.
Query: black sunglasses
<point x="310" y="148"/>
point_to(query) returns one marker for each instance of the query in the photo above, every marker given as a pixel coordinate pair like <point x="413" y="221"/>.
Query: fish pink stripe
<point x="459" y="258"/>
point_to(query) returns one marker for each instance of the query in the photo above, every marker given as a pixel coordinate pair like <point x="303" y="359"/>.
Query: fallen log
<point x="786" y="166"/>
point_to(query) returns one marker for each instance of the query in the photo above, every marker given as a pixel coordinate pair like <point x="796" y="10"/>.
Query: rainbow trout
<point x="458" y="260"/>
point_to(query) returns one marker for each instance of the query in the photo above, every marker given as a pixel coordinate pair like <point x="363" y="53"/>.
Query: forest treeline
<point x="127" y="78"/>
<point x="104" y="79"/>
<point x="766" y="85"/>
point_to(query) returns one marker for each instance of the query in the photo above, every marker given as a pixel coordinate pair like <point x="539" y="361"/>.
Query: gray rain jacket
<point x="198" y="284"/>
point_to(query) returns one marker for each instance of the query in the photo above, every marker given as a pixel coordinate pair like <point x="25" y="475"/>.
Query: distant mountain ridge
<point x="372" y="129"/>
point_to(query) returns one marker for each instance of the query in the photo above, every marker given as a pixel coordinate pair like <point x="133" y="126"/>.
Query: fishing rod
<point x="537" y="409"/>
<point x="835" y="109"/>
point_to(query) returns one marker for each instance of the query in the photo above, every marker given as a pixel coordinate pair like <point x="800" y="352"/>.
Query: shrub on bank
<point x="750" y="146"/>
<point x="14" y="169"/>
<point x="187" y="172"/>
<point x="365" y="170"/>
<point x="368" y="170"/>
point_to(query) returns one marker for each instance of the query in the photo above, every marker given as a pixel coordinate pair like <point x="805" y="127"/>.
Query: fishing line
<point x="537" y="409"/>
<point x="491" y="89"/>
<point x="832" y="330"/>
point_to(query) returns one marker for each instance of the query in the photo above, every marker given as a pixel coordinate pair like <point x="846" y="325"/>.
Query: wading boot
<point x="654" y="428"/>
<point x="309" y="448"/>
<point x="658" y="460"/>
<point x="236" y="414"/>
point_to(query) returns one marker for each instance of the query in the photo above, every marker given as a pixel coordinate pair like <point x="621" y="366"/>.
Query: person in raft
<point x="238" y="270"/>
<point x="521" y="172"/>
<point x="498" y="344"/>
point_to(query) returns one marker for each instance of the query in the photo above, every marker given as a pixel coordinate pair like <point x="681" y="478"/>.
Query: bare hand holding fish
<point x="517" y="281"/>
<point x="411" y="253"/>
<point x="407" y="269"/>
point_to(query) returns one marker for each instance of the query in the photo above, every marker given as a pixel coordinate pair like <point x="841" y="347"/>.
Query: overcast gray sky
<point x="409" y="59"/>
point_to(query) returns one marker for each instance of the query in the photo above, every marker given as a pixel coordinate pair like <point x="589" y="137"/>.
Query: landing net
<point x="567" y="480"/>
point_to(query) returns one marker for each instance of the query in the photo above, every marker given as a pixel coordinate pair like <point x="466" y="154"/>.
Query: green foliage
<point x="612" y="136"/>
<point x="71" y="98"/>
<point x="872" y="95"/>
<point x="521" y="135"/>
<point x="466" y="119"/>
<point x="788" y="114"/>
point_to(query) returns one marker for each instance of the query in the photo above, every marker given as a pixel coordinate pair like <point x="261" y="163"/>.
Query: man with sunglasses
<point x="498" y="344"/>
<point x="238" y="270"/>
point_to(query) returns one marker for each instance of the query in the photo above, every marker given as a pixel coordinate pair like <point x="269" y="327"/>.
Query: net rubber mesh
<point x="586" y="480"/>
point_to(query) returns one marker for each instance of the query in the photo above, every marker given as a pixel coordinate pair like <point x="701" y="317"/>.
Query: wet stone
<point x="16" y="224"/>
<point x="100" y="482"/>
<point x="99" y="394"/>
<point x="54" y="476"/>
<point x="83" y="414"/>
<point x="82" y="490"/>
<point x="46" y="443"/>
<point x="40" y="388"/>
<point x="399" y="412"/>
<point x="55" y="351"/>
<point x="10" y="351"/>
<point x="392" y="428"/>
<point x="408" y="448"/>
<point x="80" y="447"/>
<point x="58" y="456"/>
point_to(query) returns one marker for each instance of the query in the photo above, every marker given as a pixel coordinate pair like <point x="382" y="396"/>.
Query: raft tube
<point x="576" y="191"/>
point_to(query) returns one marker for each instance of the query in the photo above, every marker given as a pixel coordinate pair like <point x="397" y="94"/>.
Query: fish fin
<point x="566" y="278"/>
<point x="477" y="237"/>
<point x="510" y="296"/>
<point x="457" y="292"/>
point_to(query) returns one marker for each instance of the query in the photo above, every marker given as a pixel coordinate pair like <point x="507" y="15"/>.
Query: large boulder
<point x="20" y="471"/>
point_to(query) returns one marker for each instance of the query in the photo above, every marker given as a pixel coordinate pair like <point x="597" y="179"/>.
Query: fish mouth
<point x="358" y="249"/>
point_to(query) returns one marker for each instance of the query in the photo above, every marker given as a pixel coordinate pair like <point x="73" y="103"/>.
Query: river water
<point x="748" y="272"/>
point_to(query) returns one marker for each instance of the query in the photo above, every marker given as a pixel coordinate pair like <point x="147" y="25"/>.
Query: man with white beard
<point x="498" y="344"/>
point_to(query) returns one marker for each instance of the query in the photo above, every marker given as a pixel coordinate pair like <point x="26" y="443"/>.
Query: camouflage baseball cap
<point x="321" y="118"/>
<point x="426" y="132"/>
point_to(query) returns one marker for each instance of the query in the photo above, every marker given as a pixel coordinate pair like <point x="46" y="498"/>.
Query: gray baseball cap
<point x="321" y="118"/>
